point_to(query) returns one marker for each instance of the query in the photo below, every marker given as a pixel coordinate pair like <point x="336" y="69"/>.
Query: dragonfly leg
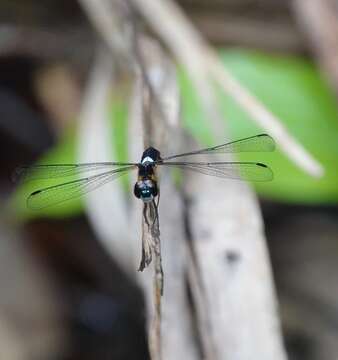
<point x="146" y="256"/>
<point x="145" y="215"/>
<point x="155" y="226"/>
<point x="158" y="198"/>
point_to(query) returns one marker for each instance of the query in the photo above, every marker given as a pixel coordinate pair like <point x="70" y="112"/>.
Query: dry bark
<point x="234" y="271"/>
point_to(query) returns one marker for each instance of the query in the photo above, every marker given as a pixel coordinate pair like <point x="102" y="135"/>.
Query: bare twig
<point x="109" y="19"/>
<point x="176" y="338"/>
<point x="267" y="120"/>
<point x="106" y="207"/>
<point x="201" y="62"/>
<point x="155" y="339"/>
<point x="151" y="241"/>
<point x="319" y="20"/>
<point x="150" y="124"/>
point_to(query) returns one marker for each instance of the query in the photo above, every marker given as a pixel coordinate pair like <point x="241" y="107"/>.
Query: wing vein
<point x="56" y="194"/>
<point x="231" y="170"/>
<point x="257" y="143"/>
<point x="54" y="171"/>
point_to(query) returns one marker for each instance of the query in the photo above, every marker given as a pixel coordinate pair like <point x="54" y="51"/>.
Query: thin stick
<point x="155" y="241"/>
<point x="150" y="107"/>
<point x="109" y="19"/>
<point x="201" y="62"/>
<point x="106" y="208"/>
<point x="174" y="337"/>
<point x="319" y="21"/>
<point x="267" y="120"/>
<point x="155" y="333"/>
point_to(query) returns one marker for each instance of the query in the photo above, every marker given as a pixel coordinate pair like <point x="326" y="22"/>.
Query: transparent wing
<point x="54" y="171"/>
<point x="257" y="143"/>
<point x="231" y="170"/>
<point x="56" y="194"/>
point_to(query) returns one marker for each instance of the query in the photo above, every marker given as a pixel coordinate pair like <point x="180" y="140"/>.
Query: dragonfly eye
<point x="145" y="190"/>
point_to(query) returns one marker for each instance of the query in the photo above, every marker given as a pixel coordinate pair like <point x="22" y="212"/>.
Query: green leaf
<point x="65" y="152"/>
<point x="293" y="90"/>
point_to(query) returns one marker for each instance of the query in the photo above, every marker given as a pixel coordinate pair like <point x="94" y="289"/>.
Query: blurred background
<point x="62" y="296"/>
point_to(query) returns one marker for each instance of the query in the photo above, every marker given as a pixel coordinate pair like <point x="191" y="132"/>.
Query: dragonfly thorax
<point x="150" y="155"/>
<point x="146" y="186"/>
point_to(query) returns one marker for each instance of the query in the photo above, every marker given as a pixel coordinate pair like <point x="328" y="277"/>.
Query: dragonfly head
<point x="146" y="190"/>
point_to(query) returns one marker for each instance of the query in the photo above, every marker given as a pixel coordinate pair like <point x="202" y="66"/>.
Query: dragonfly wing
<point x="56" y="194"/>
<point x="231" y="170"/>
<point x="257" y="143"/>
<point x="54" y="171"/>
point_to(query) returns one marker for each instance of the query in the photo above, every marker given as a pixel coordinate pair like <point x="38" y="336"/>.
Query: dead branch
<point x="106" y="207"/>
<point x="234" y="271"/>
<point x="161" y="117"/>
<point x="319" y="21"/>
<point x="110" y="20"/>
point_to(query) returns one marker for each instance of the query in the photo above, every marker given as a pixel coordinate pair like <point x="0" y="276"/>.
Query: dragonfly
<point x="91" y="176"/>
